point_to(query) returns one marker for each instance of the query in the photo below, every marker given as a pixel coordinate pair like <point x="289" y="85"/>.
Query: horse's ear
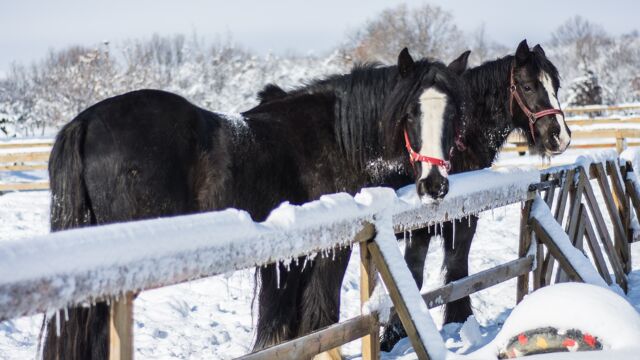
<point x="405" y="63"/>
<point x="522" y="53"/>
<point x="538" y="50"/>
<point x="459" y="65"/>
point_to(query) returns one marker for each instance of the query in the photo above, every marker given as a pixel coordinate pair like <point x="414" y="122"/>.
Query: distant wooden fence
<point x="618" y="129"/>
<point x="543" y="255"/>
<point x="23" y="155"/>
<point x="15" y="155"/>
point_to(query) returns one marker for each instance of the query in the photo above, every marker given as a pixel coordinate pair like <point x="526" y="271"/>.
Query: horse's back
<point x="142" y="154"/>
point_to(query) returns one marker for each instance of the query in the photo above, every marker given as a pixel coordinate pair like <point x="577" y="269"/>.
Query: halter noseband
<point x="533" y="117"/>
<point x="415" y="156"/>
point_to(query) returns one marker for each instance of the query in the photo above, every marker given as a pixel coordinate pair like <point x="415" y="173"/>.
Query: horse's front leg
<point x="415" y="254"/>
<point x="456" y="264"/>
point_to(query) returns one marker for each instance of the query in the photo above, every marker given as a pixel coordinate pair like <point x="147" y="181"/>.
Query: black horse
<point x="150" y="154"/>
<point x="514" y="92"/>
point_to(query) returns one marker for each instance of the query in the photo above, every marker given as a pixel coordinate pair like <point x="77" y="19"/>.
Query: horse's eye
<point x="526" y="88"/>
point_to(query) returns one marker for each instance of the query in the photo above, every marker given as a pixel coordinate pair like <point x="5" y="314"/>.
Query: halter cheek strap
<point x="533" y="117"/>
<point x="415" y="156"/>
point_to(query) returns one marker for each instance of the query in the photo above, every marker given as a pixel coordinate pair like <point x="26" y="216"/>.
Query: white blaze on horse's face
<point x="563" y="138"/>
<point x="432" y="106"/>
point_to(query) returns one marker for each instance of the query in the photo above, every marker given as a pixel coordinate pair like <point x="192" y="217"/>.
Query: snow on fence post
<point x="412" y="310"/>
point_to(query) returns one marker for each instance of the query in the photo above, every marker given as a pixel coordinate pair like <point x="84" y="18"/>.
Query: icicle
<point x="57" y="323"/>
<point x="66" y="314"/>
<point x="277" y="275"/>
<point x="469" y="221"/>
<point x="453" y="243"/>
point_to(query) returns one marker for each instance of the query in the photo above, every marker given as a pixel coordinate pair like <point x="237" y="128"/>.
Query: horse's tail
<point x="80" y="332"/>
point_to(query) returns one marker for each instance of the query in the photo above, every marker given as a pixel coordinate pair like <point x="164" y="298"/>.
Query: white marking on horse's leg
<point x="432" y="106"/>
<point x="563" y="138"/>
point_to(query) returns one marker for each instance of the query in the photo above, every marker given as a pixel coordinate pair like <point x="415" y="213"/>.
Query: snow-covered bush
<point x="37" y="100"/>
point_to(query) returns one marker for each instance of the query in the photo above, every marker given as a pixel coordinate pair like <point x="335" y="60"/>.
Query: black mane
<point x="358" y="135"/>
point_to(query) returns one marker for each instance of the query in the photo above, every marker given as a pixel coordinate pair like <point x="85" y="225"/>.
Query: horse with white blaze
<point x="514" y="92"/>
<point x="150" y="153"/>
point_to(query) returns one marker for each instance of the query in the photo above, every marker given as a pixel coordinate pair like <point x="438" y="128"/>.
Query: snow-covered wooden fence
<point x="46" y="273"/>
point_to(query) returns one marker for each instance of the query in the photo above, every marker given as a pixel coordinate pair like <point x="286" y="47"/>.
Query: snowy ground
<point x="212" y="318"/>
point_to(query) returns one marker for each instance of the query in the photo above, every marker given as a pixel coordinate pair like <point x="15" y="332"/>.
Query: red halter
<point x="415" y="156"/>
<point x="533" y="117"/>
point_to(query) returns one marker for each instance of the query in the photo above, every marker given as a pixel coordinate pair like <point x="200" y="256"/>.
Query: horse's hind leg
<point x="320" y="294"/>
<point x="415" y="254"/>
<point x="277" y="304"/>
<point x="456" y="264"/>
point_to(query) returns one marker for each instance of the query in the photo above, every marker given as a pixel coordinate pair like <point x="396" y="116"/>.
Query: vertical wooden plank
<point x="121" y="328"/>
<point x="622" y="205"/>
<point x="614" y="210"/>
<point x="564" y="262"/>
<point x="603" y="233"/>
<point x="371" y="342"/>
<point x="592" y="241"/>
<point x="632" y="192"/>
<point x="620" y="143"/>
<point x="575" y="195"/>
<point x="398" y="302"/>
<point x="523" y="247"/>
<point x="546" y="269"/>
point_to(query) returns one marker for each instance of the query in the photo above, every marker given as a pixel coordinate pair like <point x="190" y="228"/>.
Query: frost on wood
<point x="469" y="193"/>
<point x="66" y="268"/>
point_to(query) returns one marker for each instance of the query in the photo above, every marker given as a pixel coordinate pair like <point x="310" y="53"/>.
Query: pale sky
<point x="29" y="28"/>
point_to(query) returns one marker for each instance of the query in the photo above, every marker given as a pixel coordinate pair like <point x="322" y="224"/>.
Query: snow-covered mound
<point x="591" y="309"/>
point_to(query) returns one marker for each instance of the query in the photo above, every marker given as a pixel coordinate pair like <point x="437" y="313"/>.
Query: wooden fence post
<point x="121" y="328"/>
<point x="371" y="342"/>
<point x="525" y="243"/>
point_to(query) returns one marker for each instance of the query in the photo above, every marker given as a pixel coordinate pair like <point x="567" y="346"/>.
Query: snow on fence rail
<point x="72" y="267"/>
<point x="69" y="267"/>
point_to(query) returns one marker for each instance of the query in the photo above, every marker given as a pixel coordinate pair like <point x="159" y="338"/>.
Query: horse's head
<point x="533" y="101"/>
<point x="420" y="116"/>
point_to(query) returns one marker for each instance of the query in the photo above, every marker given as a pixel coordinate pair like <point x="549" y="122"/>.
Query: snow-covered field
<point x="212" y="318"/>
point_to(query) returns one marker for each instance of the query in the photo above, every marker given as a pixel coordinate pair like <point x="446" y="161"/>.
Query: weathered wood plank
<point x="39" y="185"/>
<point x="603" y="233"/>
<point x="594" y="246"/>
<point x="317" y="342"/>
<point x="371" y="342"/>
<point x="23" y="167"/>
<point x="542" y="235"/>
<point x="621" y="205"/>
<point x="522" y="287"/>
<point x="16" y="145"/>
<point x="24" y="157"/>
<point x="458" y="289"/>
<point x="573" y="191"/>
<point x="121" y="328"/>
<point x="398" y="301"/>
<point x="620" y="235"/>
